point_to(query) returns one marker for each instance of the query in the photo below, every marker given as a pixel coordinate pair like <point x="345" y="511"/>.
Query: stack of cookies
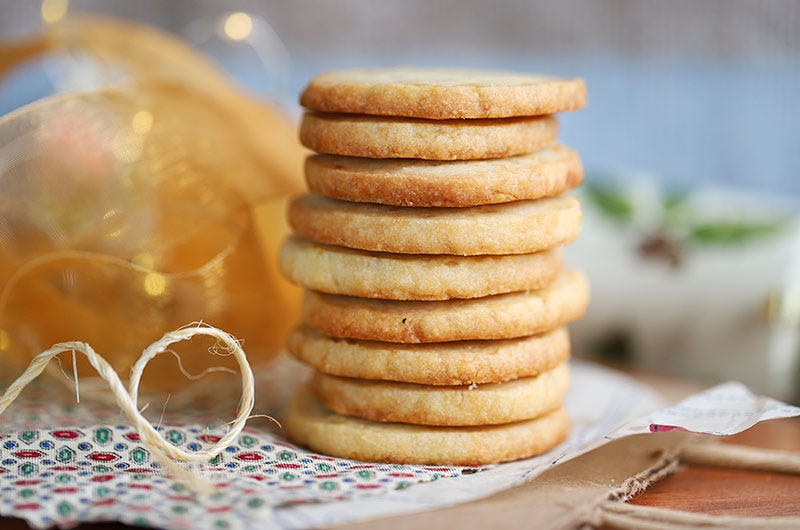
<point x="430" y="249"/>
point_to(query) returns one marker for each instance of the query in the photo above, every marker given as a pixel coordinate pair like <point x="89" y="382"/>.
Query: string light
<point x="238" y="26"/>
<point x="142" y="122"/>
<point x="54" y="10"/>
<point x="154" y="284"/>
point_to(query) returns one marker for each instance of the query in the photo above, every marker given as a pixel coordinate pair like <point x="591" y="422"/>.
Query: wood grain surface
<point x="733" y="492"/>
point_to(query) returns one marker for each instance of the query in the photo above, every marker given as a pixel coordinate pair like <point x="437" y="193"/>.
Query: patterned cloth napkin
<point x="61" y="465"/>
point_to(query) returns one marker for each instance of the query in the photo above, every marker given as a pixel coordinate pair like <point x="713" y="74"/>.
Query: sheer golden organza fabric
<point x="140" y="207"/>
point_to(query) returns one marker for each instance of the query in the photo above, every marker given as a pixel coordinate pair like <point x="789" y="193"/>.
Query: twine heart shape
<point x="127" y="399"/>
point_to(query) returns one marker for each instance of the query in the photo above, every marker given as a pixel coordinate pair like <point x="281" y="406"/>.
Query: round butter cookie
<point x="519" y="227"/>
<point x="466" y="405"/>
<point x="311" y="425"/>
<point x="406" y="182"/>
<point x="442" y="93"/>
<point x="502" y="316"/>
<point x="384" y="137"/>
<point x="442" y="363"/>
<point x="339" y="270"/>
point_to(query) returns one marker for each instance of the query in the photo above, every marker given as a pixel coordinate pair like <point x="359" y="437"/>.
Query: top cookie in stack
<point x="430" y="248"/>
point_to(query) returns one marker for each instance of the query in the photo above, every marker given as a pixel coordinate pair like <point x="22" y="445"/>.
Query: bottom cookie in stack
<point x="312" y="425"/>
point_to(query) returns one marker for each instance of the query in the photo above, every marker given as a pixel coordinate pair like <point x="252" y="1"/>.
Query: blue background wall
<point x="690" y="92"/>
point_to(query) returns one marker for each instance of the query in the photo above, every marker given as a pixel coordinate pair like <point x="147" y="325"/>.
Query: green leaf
<point x="733" y="232"/>
<point x="675" y="200"/>
<point x="611" y="202"/>
<point x="676" y="210"/>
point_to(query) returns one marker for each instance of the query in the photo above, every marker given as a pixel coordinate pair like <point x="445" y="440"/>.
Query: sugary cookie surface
<point x="442" y="93"/>
<point x="406" y="182"/>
